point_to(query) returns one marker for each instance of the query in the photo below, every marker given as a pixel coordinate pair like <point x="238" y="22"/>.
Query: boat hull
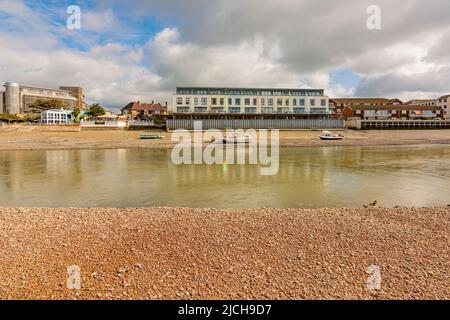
<point x="331" y="138"/>
<point x="150" y="137"/>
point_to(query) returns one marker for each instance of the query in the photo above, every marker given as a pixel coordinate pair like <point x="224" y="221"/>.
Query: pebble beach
<point x="176" y="253"/>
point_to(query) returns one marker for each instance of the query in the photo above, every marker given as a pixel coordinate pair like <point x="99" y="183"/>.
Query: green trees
<point x="42" y="105"/>
<point x="96" y="110"/>
<point x="76" y="115"/>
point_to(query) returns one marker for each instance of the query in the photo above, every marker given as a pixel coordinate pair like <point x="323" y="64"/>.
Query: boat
<point x="327" y="135"/>
<point x="245" y="140"/>
<point x="234" y="139"/>
<point x="151" y="136"/>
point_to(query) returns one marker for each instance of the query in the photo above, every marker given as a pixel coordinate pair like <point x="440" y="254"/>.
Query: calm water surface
<point x="308" y="177"/>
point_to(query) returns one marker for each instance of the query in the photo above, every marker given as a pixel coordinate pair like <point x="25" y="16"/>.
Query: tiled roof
<point x="360" y="100"/>
<point x="394" y="107"/>
<point x="137" y="106"/>
<point x="444" y="97"/>
<point x="419" y="100"/>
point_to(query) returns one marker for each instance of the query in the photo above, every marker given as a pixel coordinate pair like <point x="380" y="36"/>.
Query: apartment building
<point x="17" y="98"/>
<point x="250" y="101"/>
<point x="444" y="104"/>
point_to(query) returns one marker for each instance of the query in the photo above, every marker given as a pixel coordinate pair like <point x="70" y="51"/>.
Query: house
<point x="391" y="112"/>
<point x="339" y="104"/>
<point x="138" y="109"/>
<point x="57" y="117"/>
<point x="443" y="103"/>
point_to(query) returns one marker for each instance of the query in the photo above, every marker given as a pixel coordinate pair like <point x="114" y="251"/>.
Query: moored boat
<point x="151" y="136"/>
<point x="327" y="135"/>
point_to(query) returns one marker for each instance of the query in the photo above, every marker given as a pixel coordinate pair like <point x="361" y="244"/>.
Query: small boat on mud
<point x="234" y="139"/>
<point x="151" y="136"/>
<point x="327" y="135"/>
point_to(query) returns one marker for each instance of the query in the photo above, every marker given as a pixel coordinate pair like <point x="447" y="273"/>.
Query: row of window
<point x="249" y="101"/>
<point x="57" y="116"/>
<point x="55" y="121"/>
<point x="250" y="92"/>
<point x="250" y="110"/>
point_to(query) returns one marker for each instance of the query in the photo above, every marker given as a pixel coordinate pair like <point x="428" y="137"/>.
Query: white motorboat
<point x="234" y="139"/>
<point x="327" y="135"/>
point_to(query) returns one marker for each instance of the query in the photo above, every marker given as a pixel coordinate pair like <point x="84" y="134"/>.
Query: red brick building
<point x="391" y="112"/>
<point x="138" y="109"/>
<point x="340" y="103"/>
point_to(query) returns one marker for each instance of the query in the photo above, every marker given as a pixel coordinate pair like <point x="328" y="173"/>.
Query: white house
<point x="56" y="117"/>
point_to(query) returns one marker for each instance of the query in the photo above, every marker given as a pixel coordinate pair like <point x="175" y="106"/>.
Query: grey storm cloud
<point x="312" y="34"/>
<point x="391" y="84"/>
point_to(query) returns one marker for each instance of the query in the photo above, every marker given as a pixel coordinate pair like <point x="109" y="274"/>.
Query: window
<point x="263" y="101"/>
<point x="279" y="102"/>
<point x="200" y="109"/>
<point x="196" y="101"/>
<point x="318" y="110"/>
<point x="179" y="101"/>
<point x="188" y="101"/>
<point x="270" y="102"/>
<point x="222" y="101"/>
<point x="217" y="110"/>
<point x="267" y="110"/>
<point x="237" y="101"/>
<point x="204" y="101"/>
<point x="183" y="109"/>
<point x="323" y="102"/>
<point x="312" y="102"/>
<point x="302" y="102"/>
<point x="214" y="101"/>
<point x="234" y="110"/>
<point x="286" y="102"/>
<point x="250" y="110"/>
<point x="230" y="101"/>
<point x="247" y="102"/>
<point x="294" y="102"/>
<point x="255" y="102"/>
<point x="299" y="110"/>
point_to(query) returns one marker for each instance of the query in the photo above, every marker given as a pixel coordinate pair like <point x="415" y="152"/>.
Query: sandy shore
<point x="167" y="253"/>
<point x="23" y="138"/>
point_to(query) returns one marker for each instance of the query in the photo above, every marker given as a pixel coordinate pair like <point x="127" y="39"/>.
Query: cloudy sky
<point x="141" y="50"/>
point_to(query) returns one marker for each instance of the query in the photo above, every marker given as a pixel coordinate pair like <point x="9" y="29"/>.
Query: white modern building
<point x="57" y="117"/>
<point x="213" y="100"/>
<point x="444" y="103"/>
<point x="17" y="98"/>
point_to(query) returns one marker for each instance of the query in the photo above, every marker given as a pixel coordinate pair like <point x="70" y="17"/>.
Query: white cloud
<point x="231" y="43"/>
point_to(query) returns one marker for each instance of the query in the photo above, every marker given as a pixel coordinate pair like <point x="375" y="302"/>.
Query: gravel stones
<point x="178" y="253"/>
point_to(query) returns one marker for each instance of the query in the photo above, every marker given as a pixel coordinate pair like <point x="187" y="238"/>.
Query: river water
<point x="307" y="178"/>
